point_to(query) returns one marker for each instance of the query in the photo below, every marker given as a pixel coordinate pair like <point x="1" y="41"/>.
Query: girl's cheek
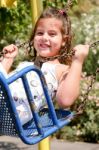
<point x="37" y="40"/>
<point x="56" y="45"/>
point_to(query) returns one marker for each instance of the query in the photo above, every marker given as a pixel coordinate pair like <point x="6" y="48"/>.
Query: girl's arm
<point x="69" y="87"/>
<point x="10" y="52"/>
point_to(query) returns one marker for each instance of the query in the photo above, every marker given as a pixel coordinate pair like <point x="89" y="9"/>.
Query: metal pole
<point x="8" y="3"/>
<point x="44" y="144"/>
<point x="36" y="9"/>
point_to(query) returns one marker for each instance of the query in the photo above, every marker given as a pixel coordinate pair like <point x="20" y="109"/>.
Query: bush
<point x="15" y="23"/>
<point x="84" y="127"/>
<point x="86" y="30"/>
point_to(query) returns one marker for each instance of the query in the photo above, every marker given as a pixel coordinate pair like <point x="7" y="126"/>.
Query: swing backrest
<point x="44" y="122"/>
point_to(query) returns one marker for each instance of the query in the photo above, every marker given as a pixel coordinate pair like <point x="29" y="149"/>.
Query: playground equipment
<point x="44" y="122"/>
<point x="36" y="9"/>
<point x="8" y="3"/>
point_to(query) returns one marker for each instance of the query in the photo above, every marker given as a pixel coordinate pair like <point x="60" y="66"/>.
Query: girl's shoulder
<point x="61" y="70"/>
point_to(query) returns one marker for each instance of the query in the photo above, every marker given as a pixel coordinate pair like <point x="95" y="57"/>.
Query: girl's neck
<point x="55" y="61"/>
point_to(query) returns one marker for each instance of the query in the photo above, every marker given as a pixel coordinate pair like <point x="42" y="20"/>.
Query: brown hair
<point x="66" y="31"/>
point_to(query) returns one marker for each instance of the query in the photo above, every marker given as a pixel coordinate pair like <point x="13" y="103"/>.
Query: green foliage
<point x="15" y="23"/>
<point x="86" y="30"/>
<point x="15" y="26"/>
<point x="57" y="3"/>
<point x="84" y="127"/>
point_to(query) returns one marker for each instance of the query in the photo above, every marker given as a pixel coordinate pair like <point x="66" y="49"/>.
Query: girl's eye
<point x="39" y="33"/>
<point x="52" y="34"/>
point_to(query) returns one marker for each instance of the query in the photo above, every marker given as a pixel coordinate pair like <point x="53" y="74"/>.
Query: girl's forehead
<point x="49" y="23"/>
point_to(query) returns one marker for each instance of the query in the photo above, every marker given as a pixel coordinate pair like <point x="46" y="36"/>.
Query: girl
<point x="51" y="40"/>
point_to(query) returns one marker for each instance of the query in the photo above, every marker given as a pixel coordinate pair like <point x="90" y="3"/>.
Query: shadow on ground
<point x="9" y="146"/>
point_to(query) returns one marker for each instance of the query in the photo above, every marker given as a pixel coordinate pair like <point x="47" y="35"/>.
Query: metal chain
<point x="64" y="55"/>
<point x="94" y="44"/>
<point x="80" y="109"/>
<point x="2" y="53"/>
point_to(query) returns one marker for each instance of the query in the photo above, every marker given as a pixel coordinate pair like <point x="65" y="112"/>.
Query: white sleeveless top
<point x="19" y="95"/>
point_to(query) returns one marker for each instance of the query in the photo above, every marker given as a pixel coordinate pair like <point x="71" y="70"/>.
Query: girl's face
<point x="48" y="38"/>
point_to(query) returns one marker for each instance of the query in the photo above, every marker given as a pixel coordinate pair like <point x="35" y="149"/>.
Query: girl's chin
<point x="45" y="54"/>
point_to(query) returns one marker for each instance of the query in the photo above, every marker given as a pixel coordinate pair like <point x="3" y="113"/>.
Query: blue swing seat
<point x="44" y="122"/>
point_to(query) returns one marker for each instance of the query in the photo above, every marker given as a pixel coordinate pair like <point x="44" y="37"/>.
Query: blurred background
<point x="16" y="24"/>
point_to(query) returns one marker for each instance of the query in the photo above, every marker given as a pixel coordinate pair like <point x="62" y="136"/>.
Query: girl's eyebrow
<point x="39" y="29"/>
<point x="52" y="30"/>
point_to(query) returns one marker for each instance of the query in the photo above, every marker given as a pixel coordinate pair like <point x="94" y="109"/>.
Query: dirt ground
<point x="12" y="143"/>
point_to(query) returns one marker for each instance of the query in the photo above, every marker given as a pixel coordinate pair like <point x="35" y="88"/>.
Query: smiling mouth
<point x="44" y="46"/>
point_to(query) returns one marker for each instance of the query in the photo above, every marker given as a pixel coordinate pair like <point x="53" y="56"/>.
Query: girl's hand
<point x="81" y="52"/>
<point x="10" y="51"/>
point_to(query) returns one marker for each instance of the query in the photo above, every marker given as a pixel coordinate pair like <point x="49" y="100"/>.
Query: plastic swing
<point x="44" y="122"/>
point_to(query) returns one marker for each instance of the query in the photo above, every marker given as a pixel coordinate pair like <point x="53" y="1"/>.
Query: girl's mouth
<point x="44" y="46"/>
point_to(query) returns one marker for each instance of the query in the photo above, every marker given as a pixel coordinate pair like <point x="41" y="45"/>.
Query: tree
<point x="15" y="23"/>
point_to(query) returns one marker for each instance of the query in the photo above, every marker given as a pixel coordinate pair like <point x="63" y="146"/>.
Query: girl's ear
<point x="65" y="37"/>
<point x="63" y="43"/>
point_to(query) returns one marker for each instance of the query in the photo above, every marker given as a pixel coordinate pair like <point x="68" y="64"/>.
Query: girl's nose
<point x="45" y="36"/>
